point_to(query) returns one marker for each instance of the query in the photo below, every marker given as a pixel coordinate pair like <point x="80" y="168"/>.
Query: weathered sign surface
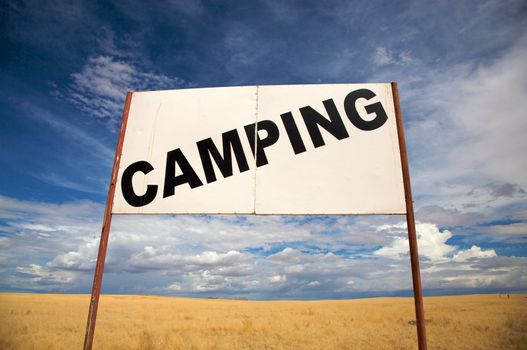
<point x="292" y="149"/>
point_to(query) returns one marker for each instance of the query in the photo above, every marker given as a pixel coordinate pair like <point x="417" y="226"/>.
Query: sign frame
<point x="410" y="219"/>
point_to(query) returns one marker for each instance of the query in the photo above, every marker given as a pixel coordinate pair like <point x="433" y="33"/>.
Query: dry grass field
<point x="51" y="321"/>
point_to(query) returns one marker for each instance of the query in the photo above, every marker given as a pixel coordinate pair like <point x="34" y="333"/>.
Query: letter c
<point x="128" y="191"/>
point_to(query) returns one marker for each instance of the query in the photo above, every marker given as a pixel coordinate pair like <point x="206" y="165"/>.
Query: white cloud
<point x="288" y="254"/>
<point x="213" y="258"/>
<point x="174" y="287"/>
<point x="38" y="227"/>
<point x="431" y="241"/>
<point x="277" y="278"/>
<point x="473" y="281"/>
<point x="164" y="259"/>
<point x="473" y="252"/>
<point x="83" y="259"/>
<point x="71" y="217"/>
<point x="398" y="249"/>
<point x="496" y="273"/>
<point x="464" y="125"/>
<point x="41" y="274"/>
<point x="471" y="122"/>
<point x="294" y="269"/>
<point x="207" y="282"/>
<point x="383" y="57"/>
<point x="100" y="87"/>
<point x="187" y="255"/>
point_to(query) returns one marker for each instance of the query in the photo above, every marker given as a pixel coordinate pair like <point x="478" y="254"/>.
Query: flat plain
<point x="58" y="321"/>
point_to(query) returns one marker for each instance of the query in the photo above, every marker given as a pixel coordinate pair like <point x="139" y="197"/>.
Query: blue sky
<point x="66" y="67"/>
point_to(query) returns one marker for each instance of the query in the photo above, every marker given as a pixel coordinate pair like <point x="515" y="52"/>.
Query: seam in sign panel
<point x="256" y="149"/>
<point x="151" y="142"/>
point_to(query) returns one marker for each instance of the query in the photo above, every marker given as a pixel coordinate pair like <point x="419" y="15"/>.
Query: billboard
<point x="291" y="149"/>
<point x="262" y="150"/>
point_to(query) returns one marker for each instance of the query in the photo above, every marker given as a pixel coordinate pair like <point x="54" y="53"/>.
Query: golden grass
<point x="51" y="321"/>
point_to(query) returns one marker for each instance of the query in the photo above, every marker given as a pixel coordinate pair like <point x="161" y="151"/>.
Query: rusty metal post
<point x="410" y="221"/>
<point x="105" y="233"/>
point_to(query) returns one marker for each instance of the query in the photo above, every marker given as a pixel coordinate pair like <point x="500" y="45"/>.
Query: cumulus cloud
<point x="474" y="252"/>
<point x="490" y="273"/>
<point x="277" y="278"/>
<point x="83" y="259"/>
<point x="207" y="282"/>
<point x="34" y="276"/>
<point x="432" y="242"/>
<point x="292" y="269"/>
<point x="288" y="254"/>
<point x="464" y="116"/>
<point x="55" y="246"/>
<point x="150" y="259"/>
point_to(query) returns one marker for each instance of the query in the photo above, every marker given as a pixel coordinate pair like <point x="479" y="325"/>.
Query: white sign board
<point x="292" y="149"/>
